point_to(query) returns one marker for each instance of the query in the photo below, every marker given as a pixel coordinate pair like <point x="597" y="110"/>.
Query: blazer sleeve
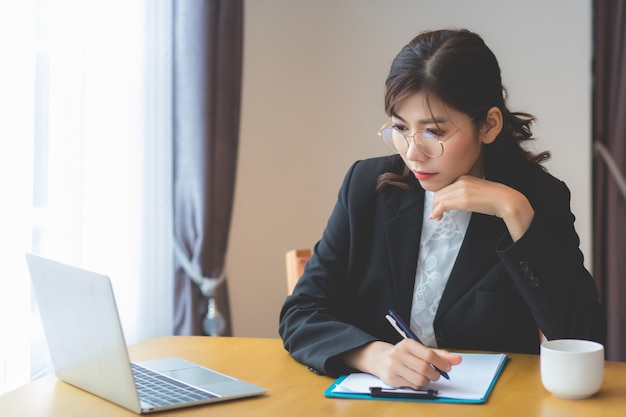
<point x="314" y="322"/>
<point x="546" y="265"/>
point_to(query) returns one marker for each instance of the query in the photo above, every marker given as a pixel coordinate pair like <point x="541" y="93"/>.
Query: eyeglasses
<point x="426" y="141"/>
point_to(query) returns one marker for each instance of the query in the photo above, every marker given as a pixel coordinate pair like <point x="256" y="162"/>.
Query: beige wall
<point x="312" y="102"/>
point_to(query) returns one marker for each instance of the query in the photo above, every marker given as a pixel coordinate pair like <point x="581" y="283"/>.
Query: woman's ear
<point x="492" y="126"/>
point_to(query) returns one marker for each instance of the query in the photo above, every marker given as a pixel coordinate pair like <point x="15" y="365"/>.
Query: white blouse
<point x="439" y="247"/>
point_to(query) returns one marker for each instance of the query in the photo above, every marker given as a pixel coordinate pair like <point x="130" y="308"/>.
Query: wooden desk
<point x="294" y="391"/>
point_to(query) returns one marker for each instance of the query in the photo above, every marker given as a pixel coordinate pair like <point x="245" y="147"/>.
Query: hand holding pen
<point x="406" y="332"/>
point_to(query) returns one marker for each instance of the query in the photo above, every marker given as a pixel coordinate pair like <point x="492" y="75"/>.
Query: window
<point x="85" y="151"/>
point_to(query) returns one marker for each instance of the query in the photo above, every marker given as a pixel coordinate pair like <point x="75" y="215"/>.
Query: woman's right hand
<point x="406" y="364"/>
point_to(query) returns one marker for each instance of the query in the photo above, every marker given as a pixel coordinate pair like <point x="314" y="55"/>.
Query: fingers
<point x="410" y="364"/>
<point x="451" y="197"/>
<point x="466" y="193"/>
<point x="437" y="213"/>
<point x="452" y="358"/>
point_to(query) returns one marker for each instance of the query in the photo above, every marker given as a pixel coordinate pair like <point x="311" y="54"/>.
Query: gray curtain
<point x="207" y="61"/>
<point x="609" y="130"/>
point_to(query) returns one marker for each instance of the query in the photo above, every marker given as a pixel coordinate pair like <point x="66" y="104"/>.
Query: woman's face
<point x="462" y="148"/>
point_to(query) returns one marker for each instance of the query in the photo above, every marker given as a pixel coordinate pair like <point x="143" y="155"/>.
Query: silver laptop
<point x="88" y="349"/>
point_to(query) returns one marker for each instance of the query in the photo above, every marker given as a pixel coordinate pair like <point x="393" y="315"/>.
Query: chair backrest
<point x="295" y="261"/>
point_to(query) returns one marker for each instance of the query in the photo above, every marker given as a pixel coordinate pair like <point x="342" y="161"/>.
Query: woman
<point x="462" y="233"/>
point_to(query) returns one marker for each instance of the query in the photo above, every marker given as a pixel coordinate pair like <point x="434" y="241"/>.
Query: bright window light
<point x="85" y="170"/>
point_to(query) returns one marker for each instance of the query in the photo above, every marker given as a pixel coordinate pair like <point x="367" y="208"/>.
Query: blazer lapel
<point x="480" y="240"/>
<point x="402" y="233"/>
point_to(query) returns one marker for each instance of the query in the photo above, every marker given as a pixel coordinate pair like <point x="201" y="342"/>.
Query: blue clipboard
<point x="330" y="393"/>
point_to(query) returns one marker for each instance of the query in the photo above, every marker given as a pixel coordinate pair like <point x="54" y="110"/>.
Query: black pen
<point x="427" y="394"/>
<point x="405" y="331"/>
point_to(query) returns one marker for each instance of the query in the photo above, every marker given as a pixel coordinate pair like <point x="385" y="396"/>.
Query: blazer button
<point x="523" y="266"/>
<point x="532" y="279"/>
<point x="315" y="371"/>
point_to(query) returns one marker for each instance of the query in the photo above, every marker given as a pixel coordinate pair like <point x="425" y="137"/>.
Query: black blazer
<point x="498" y="295"/>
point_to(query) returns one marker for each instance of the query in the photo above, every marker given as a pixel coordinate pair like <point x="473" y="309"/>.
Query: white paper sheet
<point x="470" y="380"/>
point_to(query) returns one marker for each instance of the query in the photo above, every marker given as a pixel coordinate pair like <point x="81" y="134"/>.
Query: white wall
<point x="314" y="72"/>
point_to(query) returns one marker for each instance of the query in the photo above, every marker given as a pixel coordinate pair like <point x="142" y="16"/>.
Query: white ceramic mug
<point x="572" y="368"/>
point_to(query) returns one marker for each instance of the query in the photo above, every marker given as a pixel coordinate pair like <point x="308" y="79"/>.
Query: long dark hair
<point x="457" y="67"/>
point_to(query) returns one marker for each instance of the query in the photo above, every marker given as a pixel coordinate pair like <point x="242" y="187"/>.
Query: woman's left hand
<point x="486" y="197"/>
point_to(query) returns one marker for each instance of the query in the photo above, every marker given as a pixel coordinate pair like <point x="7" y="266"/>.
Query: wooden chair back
<point x="295" y="261"/>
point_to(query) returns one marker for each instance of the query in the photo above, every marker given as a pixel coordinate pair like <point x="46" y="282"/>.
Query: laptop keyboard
<point x="159" y="390"/>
